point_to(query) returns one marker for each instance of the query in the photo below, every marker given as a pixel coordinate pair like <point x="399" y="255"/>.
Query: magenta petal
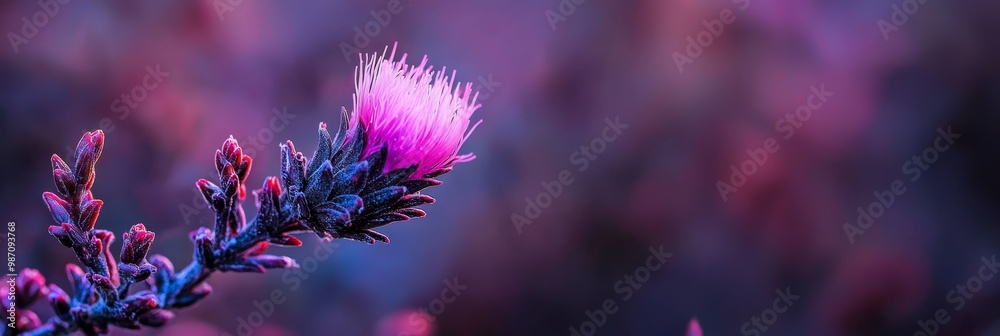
<point x="420" y="114"/>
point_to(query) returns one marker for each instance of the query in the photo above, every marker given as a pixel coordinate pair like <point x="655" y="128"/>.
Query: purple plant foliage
<point x="368" y="175"/>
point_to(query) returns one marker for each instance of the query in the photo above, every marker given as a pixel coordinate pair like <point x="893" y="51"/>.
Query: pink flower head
<point x="420" y="114"/>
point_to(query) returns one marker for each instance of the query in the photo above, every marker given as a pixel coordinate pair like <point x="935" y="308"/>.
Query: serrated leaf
<point x="383" y="199"/>
<point x="320" y="183"/>
<point x="413" y="186"/>
<point x="390" y="178"/>
<point x="414" y="200"/>
<point x="350" y="180"/>
<point x="323" y="150"/>
<point x="381" y="219"/>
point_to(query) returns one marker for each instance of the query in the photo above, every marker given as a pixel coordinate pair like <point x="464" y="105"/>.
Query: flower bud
<point x="136" y="245"/>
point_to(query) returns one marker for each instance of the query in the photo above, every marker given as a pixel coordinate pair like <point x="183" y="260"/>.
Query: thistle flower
<point x="419" y="113"/>
<point x="406" y="129"/>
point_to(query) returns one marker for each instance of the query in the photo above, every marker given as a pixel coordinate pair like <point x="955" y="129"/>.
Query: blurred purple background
<point x="548" y="82"/>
